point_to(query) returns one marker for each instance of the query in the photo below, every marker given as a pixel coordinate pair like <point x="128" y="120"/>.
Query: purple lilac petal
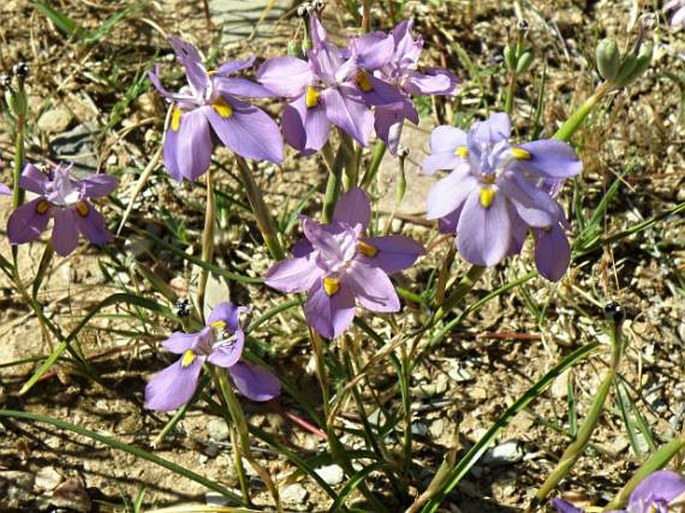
<point x="190" y="59"/>
<point x="663" y="485"/>
<point x="551" y="158"/>
<point x="444" y="142"/>
<point x="302" y="248"/>
<point x="255" y="382"/>
<point x="532" y="204"/>
<point x="286" y="76"/>
<point x="519" y="232"/>
<point x="228" y="313"/>
<point x="552" y="252"/>
<point x="373" y="50"/>
<point x="450" y="193"/>
<point x="382" y="93"/>
<point x="565" y="507"/>
<point x="485" y="134"/>
<point x="395" y="253"/>
<point x="179" y="342"/>
<point x="483" y="234"/>
<point x="4" y="190"/>
<point x="333" y="242"/>
<point x="26" y="224"/>
<point x="330" y="316"/>
<point x="345" y="109"/>
<point x="305" y="129"/>
<point x="353" y="208"/>
<point x="318" y="32"/>
<point x="233" y="66"/>
<point x="388" y="122"/>
<point x="240" y="87"/>
<point x="33" y="180"/>
<point x="431" y="82"/>
<point x="293" y="274"/>
<point x="249" y="131"/>
<point x="188" y="152"/>
<point x="226" y="355"/>
<point x="449" y="223"/>
<point x="173" y="386"/>
<point x="372" y="288"/>
<point x="64" y="231"/>
<point x="98" y="185"/>
<point x="93" y="226"/>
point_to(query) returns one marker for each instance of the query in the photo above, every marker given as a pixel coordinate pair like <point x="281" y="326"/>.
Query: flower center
<point x="176" y="119"/>
<point x="361" y="78"/>
<point x="188" y="358"/>
<point x="367" y="249"/>
<point x="82" y="208"/>
<point x="222" y="108"/>
<point x="461" y="151"/>
<point x="312" y="97"/>
<point x="521" y="154"/>
<point x="331" y="286"/>
<point x="487" y="196"/>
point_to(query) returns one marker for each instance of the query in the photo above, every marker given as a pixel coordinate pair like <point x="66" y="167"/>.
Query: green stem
<point x="372" y="170"/>
<point x="207" y="243"/>
<point x="443" y="275"/>
<point x="462" y="288"/>
<point x="510" y="93"/>
<point x="18" y="192"/>
<point x="333" y="185"/>
<point x="264" y="220"/>
<point x="576" y="119"/>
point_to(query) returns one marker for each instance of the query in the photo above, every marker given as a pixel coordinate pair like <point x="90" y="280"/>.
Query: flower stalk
<point x="207" y="242"/>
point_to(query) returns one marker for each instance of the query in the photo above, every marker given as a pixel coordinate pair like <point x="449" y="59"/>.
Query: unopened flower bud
<point x="634" y="65"/>
<point x="614" y="312"/>
<point x="524" y="61"/>
<point x="295" y="49"/>
<point x="510" y="57"/>
<point x="16" y="101"/>
<point x="522" y="26"/>
<point x="608" y="58"/>
<point x="21" y="70"/>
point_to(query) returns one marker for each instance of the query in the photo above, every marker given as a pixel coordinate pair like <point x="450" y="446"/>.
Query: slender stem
<point x="366" y="16"/>
<point x="462" y="288"/>
<point x="317" y="346"/>
<point x="18" y="192"/>
<point x="510" y="93"/>
<point x="265" y="222"/>
<point x="333" y="185"/>
<point x="576" y="119"/>
<point x="443" y="274"/>
<point x="374" y="165"/>
<point x="207" y="243"/>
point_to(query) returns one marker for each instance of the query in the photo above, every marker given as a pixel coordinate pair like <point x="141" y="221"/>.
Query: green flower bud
<point x="625" y="70"/>
<point x="295" y="49"/>
<point x="608" y="58"/>
<point x="634" y="65"/>
<point x="16" y="101"/>
<point x="510" y="57"/>
<point x="524" y="61"/>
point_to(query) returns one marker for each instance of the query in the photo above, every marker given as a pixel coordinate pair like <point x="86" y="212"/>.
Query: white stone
<point x="331" y="474"/>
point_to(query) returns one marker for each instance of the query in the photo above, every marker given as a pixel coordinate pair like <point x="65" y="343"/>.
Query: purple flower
<point x="338" y="267"/>
<point x="494" y="193"/>
<point x="395" y="59"/>
<point x="219" y="343"/>
<point x="328" y="88"/>
<point x="66" y="199"/>
<point x="678" y="8"/>
<point x="653" y="495"/>
<point x="4" y="190"/>
<point x="209" y="103"/>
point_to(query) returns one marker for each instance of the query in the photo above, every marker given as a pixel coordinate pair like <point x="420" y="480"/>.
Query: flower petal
<point x="34" y="180"/>
<point x="372" y="287"/>
<point x="373" y="50"/>
<point x="65" y="231"/>
<point x="551" y="158"/>
<point x="285" y="76"/>
<point x="346" y="109"/>
<point x="179" y="342"/>
<point x="450" y="193"/>
<point x="228" y="313"/>
<point x="664" y="486"/>
<point x="248" y="131"/>
<point x="174" y="386"/>
<point x="293" y="274"/>
<point x="394" y="253"/>
<point x="353" y="208"/>
<point x="26" y="224"/>
<point x="188" y="151"/>
<point x="565" y="507"/>
<point x="431" y="82"/>
<point x="552" y="252"/>
<point x="483" y="234"/>
<point x="233" y="66"/>
<point x="328" y="315"/>
<point x="240" y="87"/>
<point x="93" y="226"/>
<point x="533" y="204"/>
<point x="4" y="190"/>
<point x="196" y="73"/>
<point x="227" y="354"/>
<point x="255" y="382"/>
<point x="98" y="185"/>
<point x="305" y="128"/>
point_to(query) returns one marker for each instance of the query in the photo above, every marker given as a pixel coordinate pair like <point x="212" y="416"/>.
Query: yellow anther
<point x="367" y="249"/>
<point x="331" y="286"/>
<point x="188" y="358"/>
<point x="489" y="179"/>
<point x="462" y="151"/>
<point x="311" y="97"/>
<point x="363" y="81"/>
<point x="219" y="325"/>
<point x="487" y="196"/>
<point x="222" y="108"/>
<point x="82" y="208"/>
<point x="521" y="154"/>
<point x="43" y="206"/>
<point x="176" y="119"/>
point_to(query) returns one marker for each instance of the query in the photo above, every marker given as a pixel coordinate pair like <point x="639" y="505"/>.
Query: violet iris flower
<point x="209" y="103"/>
<point x="398" y="66"/>
<point x="219" y="343"/>
<point x="66" y="200"/>
<point x="328" y="88"/>
<point x="678" y="16"/>
<point x="338" y="266"/>
<point x="494" y="193"/>
<point x="653" y="495"/>
<point x="4" y="190"/>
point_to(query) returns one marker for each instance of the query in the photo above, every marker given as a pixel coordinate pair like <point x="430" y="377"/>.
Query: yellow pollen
<point x="362" y="80"/>
<point x="188" y="358"/>
<point x="487" y="196"/>
<point x="212" y="73"/>
<point x="311" y="98"/>
<point x="367" y="249"/>
<point x="218" y="325"/>
<point x="82" y="208"/>
<point x="521" y="154"/>
<point x="176" y="119"/>
<point x="43" y="206"/>
<point x="462" y="151"/>
<point x="489" y="178"/>
<point x="331" y="286"/>
<point x="222" y="108"/>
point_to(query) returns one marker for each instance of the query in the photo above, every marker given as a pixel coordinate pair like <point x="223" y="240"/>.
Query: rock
<point x="16" y="485"/>
<point x="506" y="453"/>
<point x="217" y="430"/>
<point x="77" y="146"/>
<point x="72" y="494"/>
<point x="460" y="371"/>
<point x="55" y="121"/>
<point x="294" y="494"/>
<point x="331" y="474"/>
<point x="215" y="499"/>
<point x="48" y="479"/>
<point x="419" y="429"/>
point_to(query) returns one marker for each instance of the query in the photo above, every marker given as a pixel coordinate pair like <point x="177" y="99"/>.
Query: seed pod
<point x="626" y="69"/>
<point x="524" y="62"/>
<point x="295" y="49"/>
<point x="644" y="58"/>
<point x="608" y="58"/>
<point x="509" y="57"/>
